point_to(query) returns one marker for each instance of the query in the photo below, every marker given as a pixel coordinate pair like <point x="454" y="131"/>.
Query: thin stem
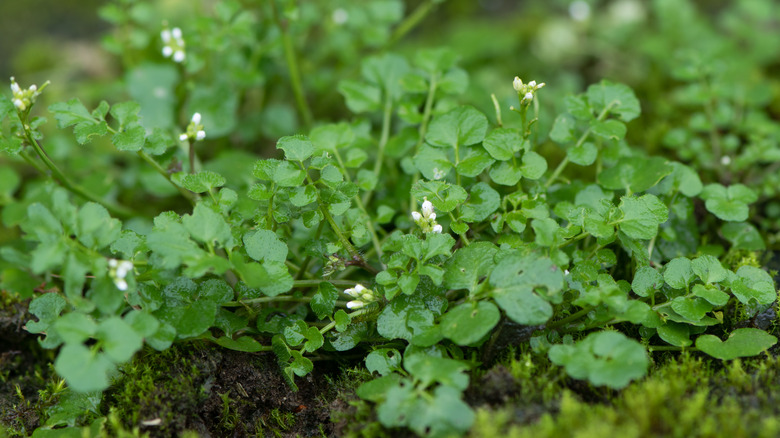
<point x="332" y="324"/>
<point x="411" y="21"/>
<point x="292" y="66"/>
<point x="580" y="141"/>
<point x="427" y="110"/>
<point x="497" y="107"/>
<point x="573" y="317"/>
<point x="192" y="156"/>
<point x="385" y="136"/>
<point x="156" y="166"/>
<point x="653" y="348"/>
<point x="118" y="210"/>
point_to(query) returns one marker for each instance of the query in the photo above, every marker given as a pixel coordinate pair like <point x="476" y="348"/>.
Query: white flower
<point x="200" y="135"/>
<point x="532" y="84"/>
<point x="196" y="118"/>
<point x="167" y="51"/>
<point x="15" y="88"/>
<point x="579" y="10"/>
<point x="123" y="268"/>
<point x="416" y="216"/>
<point x="355" y="304"/>
<point x="178" y="56"/>
<point x="340" y="16"/>
<point x="436" y="229"/>
<point x="195" y="130"/>
<point x="173" y="44"/>
<point x="725" y="160"/>
<point x="33" y="88"/>
<point x="528" y="96"/>
<point x="427" y="208"/>
<point x="165" y="35"/>
<point x="356" y="291"/>
<point x="19" y="104"/>
<point x="113" y="263"/>
<point x="184" y="137"/>
<point x="540" y="86"/>
<point x="121" y="284"/>
<point x="517" y="84"/>
<point x="176" y="33"/>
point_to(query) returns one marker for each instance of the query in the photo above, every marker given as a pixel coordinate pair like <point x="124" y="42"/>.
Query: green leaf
<point x="462" y="126"/>
<point x="217" y="101"/>
<point x="483" y="201"/>
<point x="265" y="245"/>
<point x="603" y="358"/>
<point x="563" y="129"/>
<point x="610" y="129"/>
<point x="428" y="160"/>
<point x="642" y="216"/>
<point x="75" y="328"/>
<point x="119" y="340"/>
<point x="366" y="179"/>
<point x="468" y="323"/>
<point x="242" y="343"/>
<point x="753" y="283"/>
<point x="743" y="235"/>
<point x="678" y="273"/>
<point x="619" y="98"/>
<point x="296" y="147"/>
<point x="712" y="294"/>
<point x="545" y="231"/>
<point x="200" y="182"/>
<point x="646" y="281"/>
<point x="584" y="155"/>
<point x="524" y="286"/>
<point x="47" y="308"/>
<point x="207" y="226"/>
<point x="73" y="113"/>
<point x="534" y="165"/>
<point x="324" y="301"/>
<point x="505" y="173"/>
<point x="131" y="135"/>
<point x="444" y="197"/>
<point x="386" y="71"/>
<point x="332" y="137"/>
<point x="675" y="333"/>
<point x="383" y="361"/>
<point x="503" y="143"/>
<point x="728" y="204"/>
<point x="469" y="265"/>
<point x="430" y="369"/>
<point x="152" y="86"/>
<point x="693" y="309"/>
<point x="636" y="175"/>
<point x="742" y="342"/>
<point x="473" y="161"/>
<point x="360" y="97"/>
<point x="709" y="269"/>
<point x="82" y="369"/>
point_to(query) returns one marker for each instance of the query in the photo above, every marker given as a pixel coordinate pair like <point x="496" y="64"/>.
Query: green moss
<point x="686" y="397"/>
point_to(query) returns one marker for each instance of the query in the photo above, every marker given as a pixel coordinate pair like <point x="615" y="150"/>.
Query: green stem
<point x="427" y="110"/>
<point x="411" y="21"/>
<point x="156" y="166"/>
<point x="118" y="210"/>
<point x="497" y="107"/>
<point x="332" y="324"/>
<point x="385" y="136"/>
<point x="580" y="141"/>
<point x="653" y="348"/>
<point x="192" y="156"/>
<point x="292" y="66"/>
<point x="573" y="317"/>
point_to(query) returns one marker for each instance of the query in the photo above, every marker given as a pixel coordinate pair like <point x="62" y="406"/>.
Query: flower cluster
<point x="118" y="270"/>
<point x="173" y="44"/>
<point x="362" y="296"/>
<point x="427" y="220"/>
<point x="23" y="99"/>
<point x="195" y="130"/>
<point x="526" y="91"/>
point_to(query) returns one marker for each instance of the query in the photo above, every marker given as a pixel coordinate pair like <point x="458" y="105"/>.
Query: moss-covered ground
<point x="197" y="389"/>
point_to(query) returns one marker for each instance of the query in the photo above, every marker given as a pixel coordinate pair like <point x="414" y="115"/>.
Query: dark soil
<point x="218" y="392"/>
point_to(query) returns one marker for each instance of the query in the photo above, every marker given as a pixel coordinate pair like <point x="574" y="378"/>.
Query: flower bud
<point x="178" y="56"/>
<point x="184" y="137"/>
<point x="176" y="33"/>
<point x="355" y="304"/>
<point x="437" y="229"/>
<point x="427" y="208"/>
<point x="196" y="118"/>
<point x="517" y="84"/>
<point x="200" y="135"/>
<point x="416" y="216"/>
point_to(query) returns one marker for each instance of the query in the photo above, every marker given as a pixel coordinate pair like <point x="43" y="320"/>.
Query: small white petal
<point x="355" y="304"/>
<point x="416" y="216"/>
<point x="167" y="51"/>
<point x="517" y="84"/>
<point x="165" y="35"/>
<point x="725" y="160"/>
<point x="359" y="288"/>
<point x="432" y="216"/>
<point x="33" y="88"/>
<point x="19" y="104"/>
<point x="540" y="85"/>
<point x="121" y="284"/>
<point x="126" y="264"/>
<point x="532" y="84"/>
<point x="200" y="135"/>
<point x="427" y="208"/>
<point x="178" y="56"/>
<point x="437" y="229"/>
<point x="113" y="263"/>
<point x="528" y="96"/>
<point x="15" y="88"/>
<point x="176" y="32"/>
<point x="196" y="118"/>
<point x="184" y="137"/>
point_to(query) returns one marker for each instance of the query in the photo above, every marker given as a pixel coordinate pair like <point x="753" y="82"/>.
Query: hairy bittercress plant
<point x="411" y="234"/>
